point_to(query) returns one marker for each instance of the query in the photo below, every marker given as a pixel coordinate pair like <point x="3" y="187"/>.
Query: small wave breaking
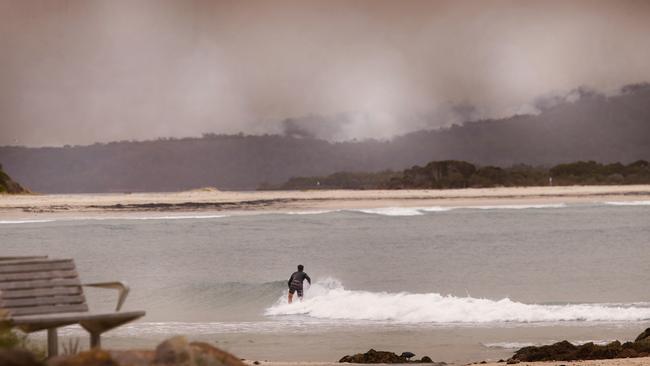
<point x="9" y="222"/>
<point x="328" y="299"/>
<point x="628" y="203"/>
<point x="417" y="211"/>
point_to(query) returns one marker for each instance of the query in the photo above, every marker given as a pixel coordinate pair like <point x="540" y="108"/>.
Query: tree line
<point x="448" y="174"/>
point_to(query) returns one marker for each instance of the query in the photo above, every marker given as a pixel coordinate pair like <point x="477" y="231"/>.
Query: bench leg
<point x="95" y="340"/>
<point x="52" y="342"/>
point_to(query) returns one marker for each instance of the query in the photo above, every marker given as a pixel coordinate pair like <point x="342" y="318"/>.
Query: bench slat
<point x="35" y="266"/>
<point x="36" y="275"/>
<point x="36" y="301"/>
<point x="23" y="258"/>
<point x="51" y="309"/>
<point x="17" y="285"/>
<point x="18" y="294"/>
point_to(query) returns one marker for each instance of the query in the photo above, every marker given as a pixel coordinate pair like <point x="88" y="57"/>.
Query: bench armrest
<point x="122" y="288"/>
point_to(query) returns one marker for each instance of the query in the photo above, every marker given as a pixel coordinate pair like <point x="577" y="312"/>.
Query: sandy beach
<point x="282" y="201"/>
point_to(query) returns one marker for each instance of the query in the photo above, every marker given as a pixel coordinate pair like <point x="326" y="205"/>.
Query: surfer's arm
<point x="289" y="283"/>
<point x="308" y="279"/>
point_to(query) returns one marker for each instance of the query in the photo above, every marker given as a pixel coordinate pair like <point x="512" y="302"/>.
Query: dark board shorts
<point x="296" y="286"/>
<point x="299" y="290"/>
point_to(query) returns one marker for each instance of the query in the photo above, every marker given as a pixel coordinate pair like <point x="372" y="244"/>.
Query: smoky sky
<point x="84" y="71"/>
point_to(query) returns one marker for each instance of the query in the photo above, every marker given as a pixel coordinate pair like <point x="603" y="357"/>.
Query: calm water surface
<point x="459" y="285"/>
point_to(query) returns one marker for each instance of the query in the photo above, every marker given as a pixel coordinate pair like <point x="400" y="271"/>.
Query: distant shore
<point x="254" y="201"/>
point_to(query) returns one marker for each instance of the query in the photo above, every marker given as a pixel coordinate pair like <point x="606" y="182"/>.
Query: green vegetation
<point x="10" y="339"/>
<point x="342" y="180"/>
<point x="460" y="174"/>
<point x="7" y="185"/>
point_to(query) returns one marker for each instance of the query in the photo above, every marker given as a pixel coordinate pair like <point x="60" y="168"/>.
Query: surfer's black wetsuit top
<point x="296" y="279"/>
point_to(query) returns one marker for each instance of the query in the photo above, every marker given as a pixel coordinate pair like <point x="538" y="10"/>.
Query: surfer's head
<point x="300" y="267"/>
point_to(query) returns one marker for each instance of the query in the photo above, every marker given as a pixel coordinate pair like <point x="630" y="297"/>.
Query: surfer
<point x="295" y="282"/>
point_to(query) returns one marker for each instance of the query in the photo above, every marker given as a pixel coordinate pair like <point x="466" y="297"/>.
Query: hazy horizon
<point x="80" y="72"/>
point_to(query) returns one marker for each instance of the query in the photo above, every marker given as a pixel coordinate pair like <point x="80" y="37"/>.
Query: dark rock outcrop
<point x="373" y="356"/>
<point x="643" y="336"/>
<point x="565" y="351"/>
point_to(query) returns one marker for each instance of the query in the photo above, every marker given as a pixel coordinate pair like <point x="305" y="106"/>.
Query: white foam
<point x="392" y="211"/>
<point x="417" y="211"/>
<point x="24" y="221"/>
<point x="182" y="217"/>
<point x="436" y="209"/>
<point x="628" y="203"/>
<point x="519" y="207"/>
<point x="311" y="212"/>
<point x="510" y="345"/>
<point x="328" y="299"/>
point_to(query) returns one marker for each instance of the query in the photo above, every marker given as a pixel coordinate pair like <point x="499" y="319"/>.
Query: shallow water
<point x="457" y="284"/>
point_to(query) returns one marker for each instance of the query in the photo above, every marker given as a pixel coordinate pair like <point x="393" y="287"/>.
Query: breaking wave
<point x="23" y="221"/>
<point x="417" y="211"/>
<point x="328" y="299"/>
<point x="628" y="203"/>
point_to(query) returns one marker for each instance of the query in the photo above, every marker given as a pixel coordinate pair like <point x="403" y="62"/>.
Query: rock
<point x="512" y="361"/>
<point x="561" y="351"/>
<point x="565" y="351"/>
<point x="208" y="355"/>
<point x="407" y="355"/>
<point x="18" y="357"/>
<point x="373" y="356"/>
<point x="173" y="351"/>
<point x="643" y="336"/>
<point x="642" y="346"/>
<point x="628" y="353"/>
<point x="133" y="357"/>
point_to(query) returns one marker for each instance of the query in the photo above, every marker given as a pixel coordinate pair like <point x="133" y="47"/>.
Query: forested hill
<point x="461" y="174"/>
<point x="7" y="185"/>
<point x="595" y="127"/>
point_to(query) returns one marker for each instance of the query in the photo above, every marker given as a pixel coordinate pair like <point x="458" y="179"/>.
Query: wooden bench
<point x="25" y="257"/>
<point x="45" y="294"/>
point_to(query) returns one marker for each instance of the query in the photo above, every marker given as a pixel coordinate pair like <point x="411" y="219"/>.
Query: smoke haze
<point x="78" y="72"/>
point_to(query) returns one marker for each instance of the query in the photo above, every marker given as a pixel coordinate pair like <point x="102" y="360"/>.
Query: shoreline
<point x="243" y="202"/>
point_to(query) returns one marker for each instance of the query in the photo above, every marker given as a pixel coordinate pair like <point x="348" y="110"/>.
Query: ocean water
<point x="457" y="284"/>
